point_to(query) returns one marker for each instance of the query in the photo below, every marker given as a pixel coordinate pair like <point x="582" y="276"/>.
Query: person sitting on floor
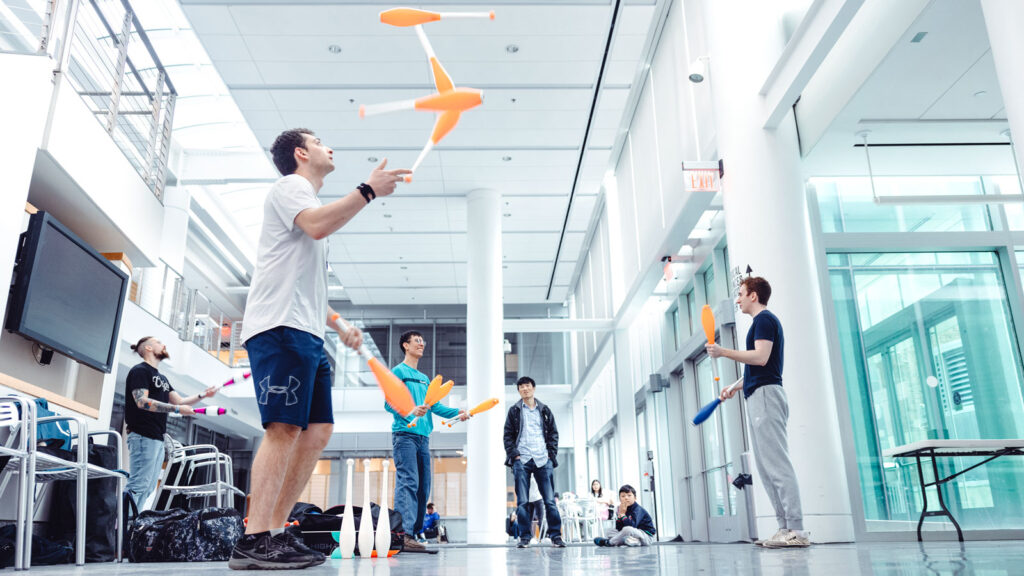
<point x="633" y="525"/>
<point x="430" y="523"/>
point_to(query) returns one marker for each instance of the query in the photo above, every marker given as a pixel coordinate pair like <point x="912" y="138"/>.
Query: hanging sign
<point x="703" y="176"/>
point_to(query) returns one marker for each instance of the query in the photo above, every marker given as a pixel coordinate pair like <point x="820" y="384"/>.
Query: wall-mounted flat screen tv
<point x="65" y="295"/>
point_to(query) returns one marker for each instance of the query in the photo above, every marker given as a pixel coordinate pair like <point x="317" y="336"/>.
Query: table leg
<point x="924" y="497"/>
<point x="942" y="502"/>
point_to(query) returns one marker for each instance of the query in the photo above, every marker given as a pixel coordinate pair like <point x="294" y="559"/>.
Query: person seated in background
<point x="430" y="523"/>
<point x="605" y="503"/>
<point x="512" y="526"/>
<point x="633" y="525"/>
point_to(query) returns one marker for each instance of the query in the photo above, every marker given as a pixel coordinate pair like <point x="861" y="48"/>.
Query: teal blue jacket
<point x="417" y="383"/>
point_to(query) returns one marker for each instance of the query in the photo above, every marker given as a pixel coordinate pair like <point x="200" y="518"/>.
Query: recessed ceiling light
<point x="371" y="159"/>
<point x="507" y="214"/>
<point x="404" y="267"/>
<point x="334" y="49"/>
<point x="387" y="215"/>
<point x="980" y="93"/>
<point x="511" y="48"/>
<point x="509" y="158"/>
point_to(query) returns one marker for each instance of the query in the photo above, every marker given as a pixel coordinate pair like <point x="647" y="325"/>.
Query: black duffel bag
<point x="100" y="511"/>
<point x="315" y="529"/>
<point x="178" y="535"/>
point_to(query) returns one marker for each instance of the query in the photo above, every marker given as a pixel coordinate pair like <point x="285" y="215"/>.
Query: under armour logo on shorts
<point x="266" y="390"/>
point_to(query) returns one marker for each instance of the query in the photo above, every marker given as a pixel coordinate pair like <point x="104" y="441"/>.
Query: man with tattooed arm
<point x="149" y="398"/>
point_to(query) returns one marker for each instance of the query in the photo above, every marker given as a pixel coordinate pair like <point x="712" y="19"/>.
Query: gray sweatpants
<point x="768" y="412"/>
<point x="618" y="537"/>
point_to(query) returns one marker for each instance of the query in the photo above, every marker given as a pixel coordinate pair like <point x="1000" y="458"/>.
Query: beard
<point x="163" y="355"/>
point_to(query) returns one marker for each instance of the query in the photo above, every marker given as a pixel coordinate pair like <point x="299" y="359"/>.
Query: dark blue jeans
<point x="412" y="478"/>
<point x="522" y="472"/>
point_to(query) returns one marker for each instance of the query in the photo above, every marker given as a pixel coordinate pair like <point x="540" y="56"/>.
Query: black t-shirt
<point x="766" y="326"/>
<point x="143" y="422"/>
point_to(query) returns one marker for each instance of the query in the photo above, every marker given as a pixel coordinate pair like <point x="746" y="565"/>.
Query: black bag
<point x="45" y="552"/>
<point x="301" y="509"/>
<point x="315" y="529"/>
<point x="101" y="508"/>
<point x="184" y="536"/>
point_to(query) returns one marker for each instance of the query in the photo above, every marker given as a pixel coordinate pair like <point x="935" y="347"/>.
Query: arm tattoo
<point x="143" y="401"/>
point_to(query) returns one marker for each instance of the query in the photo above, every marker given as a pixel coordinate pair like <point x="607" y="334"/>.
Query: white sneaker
<point x="789" y="540"/>
<point x="777" y="536"/>
<point x="632" y="541"/>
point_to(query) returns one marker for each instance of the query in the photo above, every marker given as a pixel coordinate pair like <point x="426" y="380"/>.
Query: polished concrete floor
<point x="903" y="559"/>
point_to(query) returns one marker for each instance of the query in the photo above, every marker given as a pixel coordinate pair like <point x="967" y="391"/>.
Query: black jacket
<point x="514" y="427"/>
<point x="636" y="517"/>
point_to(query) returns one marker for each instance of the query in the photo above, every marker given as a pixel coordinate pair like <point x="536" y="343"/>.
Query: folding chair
<point x="44" y="468"/>
<point x="188" y="474"/>
<point x="16" y="413"/>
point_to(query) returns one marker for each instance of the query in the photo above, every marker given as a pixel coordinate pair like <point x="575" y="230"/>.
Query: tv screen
<point x="66" y="295"/>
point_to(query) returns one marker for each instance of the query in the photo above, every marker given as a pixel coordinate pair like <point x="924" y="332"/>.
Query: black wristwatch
<point x="367" y="192"/>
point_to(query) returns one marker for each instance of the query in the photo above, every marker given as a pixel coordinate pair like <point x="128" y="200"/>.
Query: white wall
<point x="23" y="108"/>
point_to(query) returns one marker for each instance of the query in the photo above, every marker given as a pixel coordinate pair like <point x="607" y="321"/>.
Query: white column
<point x="581" y="482"/>
<point x="24" y="101"/>
<point x="625" y="417"/>
<point x="1003" y="19"/>
<point x="485" y="371"/>
<point x="767" y="227"/>
<point x="175" y="232"/>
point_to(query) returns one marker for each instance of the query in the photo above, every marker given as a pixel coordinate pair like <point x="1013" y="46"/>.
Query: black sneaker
<point x="557" y="542"/>
<point x="601" y="542"/>
<point x="296" y="541"/>
<point x="265" y="552"/>
<point x="523" y="543"/>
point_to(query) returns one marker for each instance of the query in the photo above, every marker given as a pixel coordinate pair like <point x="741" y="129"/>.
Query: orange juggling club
<point x="481" y="407"/>
<point x="405" y="17"/>
<point x="435" y="392"/>
<point x="707" y="317"/>
<point x="449" y="102"/>
<point x="395" y="392"/>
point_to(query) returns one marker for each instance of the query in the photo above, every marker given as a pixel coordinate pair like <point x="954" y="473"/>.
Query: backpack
<point x="315" y="529"/>
<point x="178" y="535"/>
<point x="100" y="512"/>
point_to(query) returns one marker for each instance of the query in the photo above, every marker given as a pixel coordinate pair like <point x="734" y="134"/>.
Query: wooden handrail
<point x="51" y="397"/>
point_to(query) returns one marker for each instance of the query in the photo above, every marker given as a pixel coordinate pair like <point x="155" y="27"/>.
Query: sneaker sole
<point x="254" y="564"/>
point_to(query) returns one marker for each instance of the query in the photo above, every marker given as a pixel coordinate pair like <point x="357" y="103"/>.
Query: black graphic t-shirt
<point x="143" y="422"/>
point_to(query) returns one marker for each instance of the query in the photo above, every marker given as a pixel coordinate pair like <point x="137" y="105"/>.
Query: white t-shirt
<point x="289" y="287"/>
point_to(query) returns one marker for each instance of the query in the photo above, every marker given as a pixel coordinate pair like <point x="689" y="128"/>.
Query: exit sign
<point x="702" y="176"/>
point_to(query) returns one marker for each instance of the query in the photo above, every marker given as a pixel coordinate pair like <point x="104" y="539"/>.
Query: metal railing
<point x="114" y="68"/>
<point x="162" y="292"/>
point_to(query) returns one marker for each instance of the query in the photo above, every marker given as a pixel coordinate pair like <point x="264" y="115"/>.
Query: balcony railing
<point x="100" y="47"/>
<point x="113" y="67"/>
<point x="162" y="292"/>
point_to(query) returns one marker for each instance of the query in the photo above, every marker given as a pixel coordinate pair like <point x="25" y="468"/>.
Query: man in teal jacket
<point x="411" y="446"/>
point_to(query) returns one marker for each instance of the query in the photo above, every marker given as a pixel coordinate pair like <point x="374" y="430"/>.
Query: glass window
<point x="847" y="205"/>
<point x="710" y="294"/>
<point x="929" y="351"/>
<point x="676" y="327"/>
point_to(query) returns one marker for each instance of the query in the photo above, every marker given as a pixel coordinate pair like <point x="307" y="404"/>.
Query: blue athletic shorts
<point x="292" y="375"/>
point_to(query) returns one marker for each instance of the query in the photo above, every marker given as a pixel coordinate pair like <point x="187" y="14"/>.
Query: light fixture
<point x="698" y="70"/>
<point x="980" y="93"/>
<point x="371" y="159"/>
<point x="511" y="48"/>
<point x="334" y="49"/>
<point x="506" y="158"/>
<point x="387" y="215"/>
<point x="507" y="214"/>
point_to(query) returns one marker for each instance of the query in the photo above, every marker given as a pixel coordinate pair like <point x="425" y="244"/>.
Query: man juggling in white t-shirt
<point x="283" y="331"/>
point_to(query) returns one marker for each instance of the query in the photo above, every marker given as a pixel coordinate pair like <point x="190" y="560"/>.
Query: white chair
<point x="590" y="518"/>
<point x="15" y="414"/>
<point x="44" y="468"/>
<point x="188" y="473"/>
